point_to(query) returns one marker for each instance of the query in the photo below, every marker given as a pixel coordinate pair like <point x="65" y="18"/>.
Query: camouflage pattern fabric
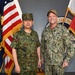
<point x="54" y="70"/>
<point x="56" y="46"/>
<point x="28" y="73"/>
<point x="26" y="46"/>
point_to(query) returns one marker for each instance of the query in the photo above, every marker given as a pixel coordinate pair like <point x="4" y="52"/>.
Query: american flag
<point x="11" y="23"/>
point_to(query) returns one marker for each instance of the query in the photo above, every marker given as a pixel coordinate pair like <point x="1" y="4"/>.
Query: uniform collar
<point x="23" y="32"/>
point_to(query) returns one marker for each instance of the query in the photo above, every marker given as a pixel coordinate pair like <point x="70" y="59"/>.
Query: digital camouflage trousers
<point x="54" y="70"/>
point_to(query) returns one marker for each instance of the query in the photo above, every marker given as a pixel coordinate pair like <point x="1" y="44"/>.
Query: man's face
<point x="52" y="18"/>
<point x="28" y="23"/>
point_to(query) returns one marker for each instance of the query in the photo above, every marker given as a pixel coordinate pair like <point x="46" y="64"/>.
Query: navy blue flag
<point x="1" y="48"/>
<point x="1" y="58"/>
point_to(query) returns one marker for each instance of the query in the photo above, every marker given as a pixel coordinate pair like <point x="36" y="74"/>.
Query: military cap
<point x="52" y="11"/>
<point x="27" y="16"/>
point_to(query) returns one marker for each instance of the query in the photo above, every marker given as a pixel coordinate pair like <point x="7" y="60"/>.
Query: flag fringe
<point x="14" y="30"/>
<point x="8" y="53"/>
<point x="72" y="30"/>
<point x="8" y="71"/>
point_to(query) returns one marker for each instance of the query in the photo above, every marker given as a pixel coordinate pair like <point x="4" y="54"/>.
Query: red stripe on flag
<point x="10" y="38"/>
<point x="11" y="27"/>
<point x="9" y="9"/>
<point x="11" y="17"/>
<point x="8" y="47"/>
<point x="8" y="64"/>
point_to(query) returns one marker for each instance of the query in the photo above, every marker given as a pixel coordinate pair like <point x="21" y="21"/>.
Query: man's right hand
<point x="17" y="69"/>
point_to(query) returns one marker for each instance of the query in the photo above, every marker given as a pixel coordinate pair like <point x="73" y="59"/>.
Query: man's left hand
<point x="65" y="64"/>
<point x="39" y="64"/>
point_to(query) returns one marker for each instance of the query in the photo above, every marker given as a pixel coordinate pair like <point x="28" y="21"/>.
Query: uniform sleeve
<point x="38" y="42"/>
<point x="69" y="48"/>
<point x="42" y="44"/>
<point x="15" y="41"/>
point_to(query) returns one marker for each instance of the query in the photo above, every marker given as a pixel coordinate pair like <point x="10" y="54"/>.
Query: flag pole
<point x="65" y="16"/>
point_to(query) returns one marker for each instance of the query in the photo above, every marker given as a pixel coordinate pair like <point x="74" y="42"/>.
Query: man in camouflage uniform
<point x="26" y="48"/>
<point x="56" y="46"/>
